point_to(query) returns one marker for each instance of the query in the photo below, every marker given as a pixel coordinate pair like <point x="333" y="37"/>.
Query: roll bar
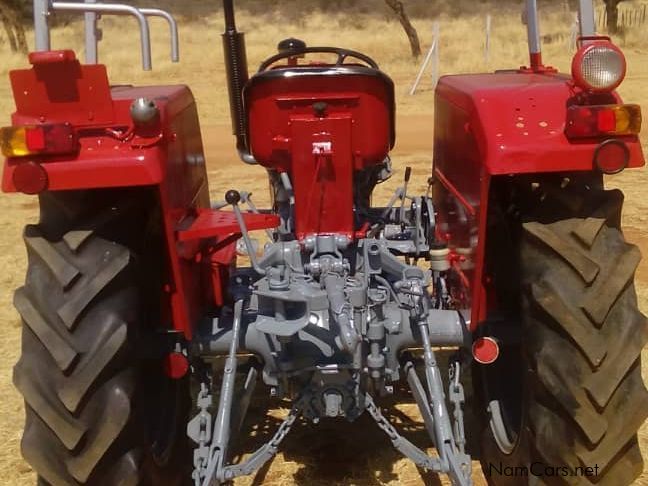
<point x="587" y="26"/>
<point x="586" y="18"/>
<point x="173" y="29"/>
<point x="91" y="10"/>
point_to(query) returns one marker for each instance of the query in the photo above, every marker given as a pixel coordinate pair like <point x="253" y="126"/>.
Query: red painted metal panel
<point x="499" y="124"/>
<point x="320" y="123"/>
<point x="460" y="182"/>
<point x="59" y="89"/>
<point x="323" y="175"/>
<point x="273" y="99"/>
<point x="66" y="92"/>
<point x="110" y="168"/>
<point x="114" y="153"/>
<point x="518" y="120"/>
<point x="184" y="192"/>
<point x="211" y="223"/>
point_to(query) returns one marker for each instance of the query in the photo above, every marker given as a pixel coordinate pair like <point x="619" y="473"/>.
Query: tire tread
<point x="588" y="335"/>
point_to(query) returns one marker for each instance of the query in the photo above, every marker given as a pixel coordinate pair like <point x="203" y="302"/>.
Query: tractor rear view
<point x="144" y="340"/>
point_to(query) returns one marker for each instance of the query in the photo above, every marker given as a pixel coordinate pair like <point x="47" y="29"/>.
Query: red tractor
<point x="143" y="340"/>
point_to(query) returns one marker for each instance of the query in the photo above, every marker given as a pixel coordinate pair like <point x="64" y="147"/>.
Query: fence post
<point x="436" y="65"/>
<point x="487" y="43"/>
<point x="431" y="56"/>
<point x="598" y="17"/>
<point x="573" y="34"/>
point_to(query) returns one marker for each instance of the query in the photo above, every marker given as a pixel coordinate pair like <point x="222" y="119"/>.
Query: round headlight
<point x="599" y="66"/>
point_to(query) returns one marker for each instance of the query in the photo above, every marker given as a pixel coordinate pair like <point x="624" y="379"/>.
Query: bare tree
<point x="412" y="35"/>
<point x="12" y="13"/>
<point x="612" y="11"/>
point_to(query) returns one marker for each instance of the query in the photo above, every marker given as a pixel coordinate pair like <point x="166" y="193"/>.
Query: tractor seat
<point x="366" y="94"/>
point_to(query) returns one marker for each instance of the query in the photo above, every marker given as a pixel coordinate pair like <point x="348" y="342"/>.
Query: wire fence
<point x="629" y="17"/>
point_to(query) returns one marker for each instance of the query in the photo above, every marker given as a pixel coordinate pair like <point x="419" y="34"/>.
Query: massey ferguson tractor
<point x="143" y="339"/>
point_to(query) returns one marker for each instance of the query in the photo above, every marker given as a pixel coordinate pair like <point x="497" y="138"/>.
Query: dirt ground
<point x="332" y="452"/>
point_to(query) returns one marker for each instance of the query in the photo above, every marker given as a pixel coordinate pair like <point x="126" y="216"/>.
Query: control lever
<point x="400" y="193"/>
<point x="408" y="175"/>
<point x="233" y="197"/>
<point x="246" y="197"/>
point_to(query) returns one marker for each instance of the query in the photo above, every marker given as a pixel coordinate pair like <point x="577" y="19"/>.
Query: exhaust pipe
<point x="237" y="76"/>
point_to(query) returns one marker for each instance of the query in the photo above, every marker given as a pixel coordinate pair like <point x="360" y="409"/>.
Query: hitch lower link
<point x="213" y="436"/>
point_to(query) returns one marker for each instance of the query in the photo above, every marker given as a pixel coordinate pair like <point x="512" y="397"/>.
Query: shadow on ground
<point x="338" y="452"/>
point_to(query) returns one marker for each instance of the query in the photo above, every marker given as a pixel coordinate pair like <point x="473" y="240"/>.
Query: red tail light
<point x="30" y="178"/>
<point x="22" y="141"/>
<point x="485" y="350"/>
<point x="603" y="120"/>
<point x="612" y="156"/>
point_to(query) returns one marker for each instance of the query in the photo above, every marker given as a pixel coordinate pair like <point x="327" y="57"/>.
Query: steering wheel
<point x="342" y="54"/>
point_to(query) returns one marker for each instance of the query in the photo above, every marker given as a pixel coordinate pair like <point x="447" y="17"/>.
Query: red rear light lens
<point x="603" y="120"/>
<point x="612" y="156"/>
<point x="606" y="121"/>
<point x="21" y="141"/>
<point x="30" y="178"/>
<point x="35" y="139"/>
<point x="485" y="350"/>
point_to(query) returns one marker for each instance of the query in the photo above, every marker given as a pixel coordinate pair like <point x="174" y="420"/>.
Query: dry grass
<point x="306" y="459"/>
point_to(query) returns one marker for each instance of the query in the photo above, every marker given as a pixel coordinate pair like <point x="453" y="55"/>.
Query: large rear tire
<point x="80" y="372"/>
<point x="571" y="394"/>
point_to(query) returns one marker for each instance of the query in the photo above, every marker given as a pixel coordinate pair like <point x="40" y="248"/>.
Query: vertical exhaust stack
<point x="237" y="76"/>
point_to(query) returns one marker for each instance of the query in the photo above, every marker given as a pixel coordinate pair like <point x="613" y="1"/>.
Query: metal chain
<point x="380" y="419"/>
<point x="404" y="446"/>
<point x="457" y="398"/>
<point x="286" y="425"/>
<point x="199" y="431"/>
<point x="268" y="450"/>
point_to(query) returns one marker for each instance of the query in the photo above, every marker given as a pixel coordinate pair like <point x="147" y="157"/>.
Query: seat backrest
<point x="273" y="97"/>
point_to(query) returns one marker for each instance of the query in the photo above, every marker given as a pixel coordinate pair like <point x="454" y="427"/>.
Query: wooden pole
<point x="573" y="35"/>
<point x="487" y="43"/>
